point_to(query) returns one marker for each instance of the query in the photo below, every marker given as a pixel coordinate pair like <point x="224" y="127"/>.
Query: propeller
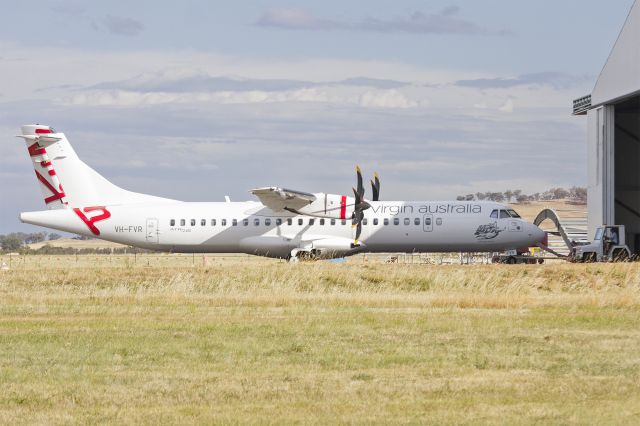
<point x="375" y="187"/>
<point x="359" y="207"/>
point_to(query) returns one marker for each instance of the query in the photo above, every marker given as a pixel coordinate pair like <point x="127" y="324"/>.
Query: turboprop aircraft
<point x="284" y="223"/>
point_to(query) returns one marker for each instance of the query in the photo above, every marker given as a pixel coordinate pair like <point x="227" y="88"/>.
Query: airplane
<point x="283" y="223"/>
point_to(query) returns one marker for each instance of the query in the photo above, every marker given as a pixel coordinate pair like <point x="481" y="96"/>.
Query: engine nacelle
<point x="330" y="206"/>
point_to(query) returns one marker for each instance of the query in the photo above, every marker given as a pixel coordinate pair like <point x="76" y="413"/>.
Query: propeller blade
<point x="376" y="178"/>
<point x="360" y="186"/>
<point x="358" y="231"/>
<point x="375" y="187"/>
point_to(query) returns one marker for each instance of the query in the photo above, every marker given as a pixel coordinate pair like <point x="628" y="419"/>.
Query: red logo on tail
<point x="90" y="221"/>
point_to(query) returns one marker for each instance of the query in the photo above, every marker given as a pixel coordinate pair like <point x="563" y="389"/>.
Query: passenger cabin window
<point x="223" y="222"/>
<point x="182" y="222"/>
<point x="234" y="222"/>
<point x="504" y="214"/>
<point x="333" y="221"/>
<point x="300" y="222"/>
<point x="513" y="214"/>
<point x="407" y="221"/>
<point x="267" y="222"/>
<point x="416" y="221"/>
<point x="396" y="221"/>
<point x="494" y="214"/>
<point x="427" y="221"/>
<point x="203" y="222"/>
<point x="172" y="222"/>
<point x="213" y="222"/>
<point x="193" y="222"/>
<point x="289" y="221"/>
<point x="256" y="222"/>
<point x="278" y="222"/>
<point x="245" y="222"/>
<point x="311" y="222"/>
<point x="321" y="222"/>
<point x="364" y="221"/>
<point x="343" y="221"/>
<point x="386" y="221"/>
<point x="375" y="220"/>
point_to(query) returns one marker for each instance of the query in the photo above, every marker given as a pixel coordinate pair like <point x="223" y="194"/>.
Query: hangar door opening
<point x="627" y="169"/>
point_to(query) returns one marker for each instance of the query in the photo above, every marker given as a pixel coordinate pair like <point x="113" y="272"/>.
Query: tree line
<point x="18" y="242"/>
<point x="576" y="194"/>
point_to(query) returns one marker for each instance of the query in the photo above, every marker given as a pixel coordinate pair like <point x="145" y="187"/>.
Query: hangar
<point x="613" y="120"/>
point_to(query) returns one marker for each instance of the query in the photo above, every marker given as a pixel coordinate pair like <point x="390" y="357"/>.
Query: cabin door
<point x="152" y="231"/>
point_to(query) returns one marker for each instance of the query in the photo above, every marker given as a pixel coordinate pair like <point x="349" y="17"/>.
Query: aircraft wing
<point x="278" y="199"/>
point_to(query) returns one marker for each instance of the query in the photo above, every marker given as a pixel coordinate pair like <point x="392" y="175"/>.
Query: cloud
<point x="556" y="80"/>
<point x="507" y="106"/>
<point x="375" y="98"/>
<point x="189" y="80"/>
<point x="122" y="26"/>
<point x="445" y="22"/>
<point x="68" y="9"/>
<point x="295" y="19"/>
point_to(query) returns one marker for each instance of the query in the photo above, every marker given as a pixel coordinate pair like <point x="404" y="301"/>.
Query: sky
<point x="195" y="100"/>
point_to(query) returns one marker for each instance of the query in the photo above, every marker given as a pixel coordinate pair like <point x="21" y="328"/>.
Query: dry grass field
<point x="245" y="341"/>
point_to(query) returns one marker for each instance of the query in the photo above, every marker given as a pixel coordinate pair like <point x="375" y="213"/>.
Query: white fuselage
<point x="250" y="227"/>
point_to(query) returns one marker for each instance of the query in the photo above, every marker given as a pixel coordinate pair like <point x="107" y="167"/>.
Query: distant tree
<point x="36" y="237"/>
<point x="480" y="196"/>
<point x="536" y="196"/>
<point x="517" y="193"/>
<point x="508" y="194"/>
<point x="12" y="242"/>
<point x="460" y="198"/>
<point x="81" y="238"/>
<point x="547" y="195"/>
<point x="469" y="197"/>
<point x="523" y="199"/>
<point x="578" y="194"/>
<point x="496" y="196"/>
<point x="53" y="236"/>
<point x="560" y="193"/>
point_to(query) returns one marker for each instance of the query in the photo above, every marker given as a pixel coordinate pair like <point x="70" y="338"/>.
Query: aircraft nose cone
<point x="537" y="234"/>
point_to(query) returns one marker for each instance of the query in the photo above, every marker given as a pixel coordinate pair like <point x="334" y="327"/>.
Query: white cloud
<point x="445" y="22"/>
<point x="507" y="106"/>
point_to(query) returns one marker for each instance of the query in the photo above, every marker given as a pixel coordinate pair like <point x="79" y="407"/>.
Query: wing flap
<point x="279" y="199"/>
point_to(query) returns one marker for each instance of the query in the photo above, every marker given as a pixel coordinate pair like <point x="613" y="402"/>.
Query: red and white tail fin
<point x="65" y="180"/>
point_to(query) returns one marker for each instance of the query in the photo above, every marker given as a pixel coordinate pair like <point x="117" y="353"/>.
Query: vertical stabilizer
<point x="65" y="180"/>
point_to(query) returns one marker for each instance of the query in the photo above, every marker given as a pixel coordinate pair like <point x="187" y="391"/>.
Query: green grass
<point x="278" y="343"/>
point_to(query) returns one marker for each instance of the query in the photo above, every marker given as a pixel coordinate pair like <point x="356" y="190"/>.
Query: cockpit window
<point x="513" y="214"/>
<point x="504" y="214"/>
<point x="598" y="234"/>
<point x="494" y="214"/>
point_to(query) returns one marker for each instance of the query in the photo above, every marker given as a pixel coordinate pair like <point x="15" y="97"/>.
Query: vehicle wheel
<point x="540" y="261"/>
<point x="511" y="260"/>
